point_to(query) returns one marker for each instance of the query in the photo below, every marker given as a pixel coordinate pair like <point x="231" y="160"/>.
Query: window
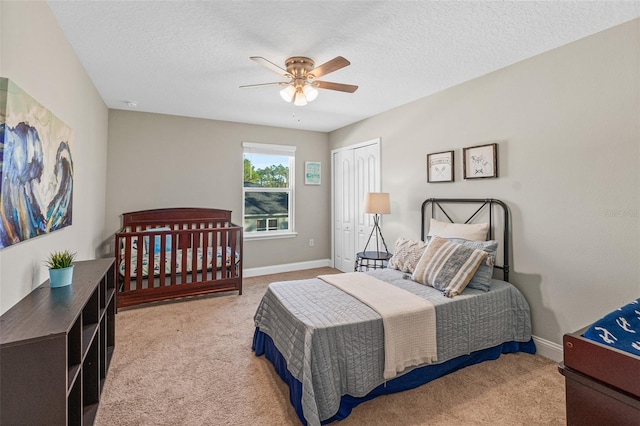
<point x="268" y="189"/>
<point x="267" y="224"/>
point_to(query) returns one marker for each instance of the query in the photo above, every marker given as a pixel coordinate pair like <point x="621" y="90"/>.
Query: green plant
<point x="60" y="259"/>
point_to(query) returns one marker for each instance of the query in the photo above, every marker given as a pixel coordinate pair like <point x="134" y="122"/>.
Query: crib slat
<point x="223" y="254"/>
<point x="184" y="237"/>
<point x="127" y="264"/>
<point x="195" y="243"/>
<point x="139" y="260"/>
<point x="163" y="259"/>
<point x="234" y="250"/>
<point x="151" y="258"/>
<point x="237" y="248"/>
<point x="205" y="255"/>
<point x="174" y="259"/>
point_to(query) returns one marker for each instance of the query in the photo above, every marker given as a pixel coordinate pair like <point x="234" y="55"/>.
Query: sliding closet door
<point x="356" y="171"/>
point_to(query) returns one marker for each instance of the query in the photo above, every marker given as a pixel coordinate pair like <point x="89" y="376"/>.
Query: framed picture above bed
<point x="440" y="167"/>
<point x="480" y="161"/>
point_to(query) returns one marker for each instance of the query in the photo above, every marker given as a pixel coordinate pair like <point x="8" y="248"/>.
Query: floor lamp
<point x="377" y="203"/>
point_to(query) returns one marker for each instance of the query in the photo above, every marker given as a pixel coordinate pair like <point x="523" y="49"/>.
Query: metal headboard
<point x="436" y="203"/>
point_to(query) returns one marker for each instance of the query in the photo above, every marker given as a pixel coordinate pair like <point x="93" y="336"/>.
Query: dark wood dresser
<point x="55" y="348"/>
<point x="602" y="383"/>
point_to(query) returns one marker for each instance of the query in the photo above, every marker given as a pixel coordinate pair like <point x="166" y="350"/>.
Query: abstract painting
<point x="36" y="168"/>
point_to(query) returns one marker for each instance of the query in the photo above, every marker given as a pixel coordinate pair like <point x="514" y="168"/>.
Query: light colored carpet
<point x="189" y="362"/>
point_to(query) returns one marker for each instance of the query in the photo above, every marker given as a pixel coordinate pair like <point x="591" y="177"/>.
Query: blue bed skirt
<point x="263" y="344"/>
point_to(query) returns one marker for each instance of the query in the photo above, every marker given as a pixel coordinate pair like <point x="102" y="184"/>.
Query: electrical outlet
<point x="311" y="242"/>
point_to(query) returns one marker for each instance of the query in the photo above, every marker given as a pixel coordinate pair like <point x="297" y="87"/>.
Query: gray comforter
<point x="334" y="344"/>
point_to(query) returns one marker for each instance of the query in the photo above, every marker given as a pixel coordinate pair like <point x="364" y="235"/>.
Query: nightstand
<point x="367" y="260"/>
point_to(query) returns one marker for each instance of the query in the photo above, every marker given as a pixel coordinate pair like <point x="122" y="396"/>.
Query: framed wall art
<point x="440" y="167"/>
<point x="36" y="168"/>
<point x="480" y="161"/>
<point x="312" y="173"/>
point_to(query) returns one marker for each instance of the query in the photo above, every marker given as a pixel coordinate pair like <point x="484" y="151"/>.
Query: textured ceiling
<point x="189" y="58"/>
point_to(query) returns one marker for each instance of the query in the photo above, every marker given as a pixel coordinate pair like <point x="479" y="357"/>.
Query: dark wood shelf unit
<point x="74" y="404"/>
<point x="88" y="333"/>
<point x="56" y="345"/>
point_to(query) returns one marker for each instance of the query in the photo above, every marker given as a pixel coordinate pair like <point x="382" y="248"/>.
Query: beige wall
<point x="35" y="55"/>
<point x="567" y="125"/>
<point x="168" y="161"/>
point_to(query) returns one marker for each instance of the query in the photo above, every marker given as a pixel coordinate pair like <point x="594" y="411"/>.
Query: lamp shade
<point x="377" y="203"/>
<point x="299" y="99"/>
<point x="287" y="93"/>
<point x="310" y="92"/>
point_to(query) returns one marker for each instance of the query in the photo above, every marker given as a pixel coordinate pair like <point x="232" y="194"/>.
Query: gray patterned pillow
<point x="407" y="254"/>
<point x="482" y="278"/>
<point x="448" y="266"/>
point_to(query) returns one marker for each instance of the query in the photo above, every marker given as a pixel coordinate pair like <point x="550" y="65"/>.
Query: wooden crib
<point x="181" y="252"/>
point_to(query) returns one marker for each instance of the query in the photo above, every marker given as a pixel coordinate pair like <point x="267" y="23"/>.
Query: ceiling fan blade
<point x="270" y="66"/>
<point x="335" y="86"/>
<point x="249" y="86"/>
<point x="333" y="65"/>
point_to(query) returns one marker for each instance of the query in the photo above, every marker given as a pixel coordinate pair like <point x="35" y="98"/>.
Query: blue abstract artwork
<point x="36" y="168"/>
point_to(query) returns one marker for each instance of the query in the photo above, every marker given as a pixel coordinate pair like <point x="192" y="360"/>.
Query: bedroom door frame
<point x="367" y="180"/>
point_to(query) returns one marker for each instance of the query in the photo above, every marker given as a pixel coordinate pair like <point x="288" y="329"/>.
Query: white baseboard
<point x="548" y="349"/>
<point x="288" y="267"/>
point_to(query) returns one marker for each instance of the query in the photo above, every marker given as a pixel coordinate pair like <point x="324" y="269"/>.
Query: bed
<point x="601" y="366"/>
<point x="177" y="252"/>
<point x="329" y="347"/>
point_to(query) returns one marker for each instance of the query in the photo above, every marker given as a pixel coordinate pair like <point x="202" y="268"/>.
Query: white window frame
<point x="267" y="224"/>
<point x="271" y="149"/>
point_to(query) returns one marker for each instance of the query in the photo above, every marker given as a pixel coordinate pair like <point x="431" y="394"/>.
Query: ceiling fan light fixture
<point x="310" y="92"/>
<point x="299" y="98"/>
<point x="302" y="74"/>
<point x="288" y="93"/>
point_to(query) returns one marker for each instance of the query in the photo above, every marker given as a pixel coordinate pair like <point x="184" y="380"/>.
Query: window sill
<point x="266" y="236"/>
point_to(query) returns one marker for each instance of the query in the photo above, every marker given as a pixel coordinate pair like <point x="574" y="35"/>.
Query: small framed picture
<point x="480" y="161"/>
<point x="312" y="172"/>
<point x="440" y="167"/>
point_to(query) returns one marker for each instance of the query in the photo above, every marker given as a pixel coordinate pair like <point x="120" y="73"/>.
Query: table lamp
<point x="377" y="203"/>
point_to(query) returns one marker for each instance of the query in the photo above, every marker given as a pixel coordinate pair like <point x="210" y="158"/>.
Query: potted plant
<point x="60" y="264"/>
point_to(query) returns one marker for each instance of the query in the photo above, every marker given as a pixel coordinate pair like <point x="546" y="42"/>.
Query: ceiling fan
<point x="303" y="78"/>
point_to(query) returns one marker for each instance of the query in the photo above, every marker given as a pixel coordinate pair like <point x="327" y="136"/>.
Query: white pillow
<point x="468" y="231"/>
